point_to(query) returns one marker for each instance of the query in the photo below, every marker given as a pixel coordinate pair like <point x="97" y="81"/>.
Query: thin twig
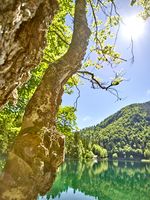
<point x="53" y="31"/>
<point x="132" y="51"/>
<point x="96" y="84"/>
<point x="76" y="101"/>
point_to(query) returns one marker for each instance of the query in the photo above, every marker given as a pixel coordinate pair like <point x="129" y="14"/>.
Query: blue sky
<point x="96" y="105"/>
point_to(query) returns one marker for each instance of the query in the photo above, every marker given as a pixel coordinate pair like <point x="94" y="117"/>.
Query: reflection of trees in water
<point x="122" y="180"/>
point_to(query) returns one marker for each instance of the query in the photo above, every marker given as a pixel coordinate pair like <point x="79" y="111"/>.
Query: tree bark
<point x="39" y="147"/>
<point x="22" y="37"/>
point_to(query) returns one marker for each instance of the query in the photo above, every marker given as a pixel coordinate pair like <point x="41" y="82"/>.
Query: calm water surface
<point x="102" y="180"/>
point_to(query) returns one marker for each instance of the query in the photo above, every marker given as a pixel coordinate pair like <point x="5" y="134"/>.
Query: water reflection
<point x="103" y="180"/>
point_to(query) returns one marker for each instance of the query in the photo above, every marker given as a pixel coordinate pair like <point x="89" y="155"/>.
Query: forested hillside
<point x="125" y="134"/>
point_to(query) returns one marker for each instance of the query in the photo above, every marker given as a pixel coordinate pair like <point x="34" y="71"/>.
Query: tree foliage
<point x="125" y="134"/>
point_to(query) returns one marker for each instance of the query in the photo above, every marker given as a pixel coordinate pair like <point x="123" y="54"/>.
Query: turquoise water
<point x="103" y="180"/>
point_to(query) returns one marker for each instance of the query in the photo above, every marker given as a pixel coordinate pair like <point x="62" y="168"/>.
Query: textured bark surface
<point x="31" y="166"/>
<point x="22" y="37"/>
<point x="39" y="148"/>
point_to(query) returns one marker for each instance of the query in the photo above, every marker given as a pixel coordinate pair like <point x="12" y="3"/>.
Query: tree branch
<point x="97" y="84"/>
<point x="43" y="106"/>
<point x="78" y="96"/>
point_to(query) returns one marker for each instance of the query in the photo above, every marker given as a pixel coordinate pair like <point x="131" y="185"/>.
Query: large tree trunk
<point x="22" y="37"/>
<point x="39" y="148"/>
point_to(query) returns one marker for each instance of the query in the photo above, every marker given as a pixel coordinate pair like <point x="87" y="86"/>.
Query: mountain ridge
<point x="125" y="134"/>
<point x="117" y="112"/>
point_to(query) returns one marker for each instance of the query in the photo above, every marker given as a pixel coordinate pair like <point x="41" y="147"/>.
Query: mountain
<point x="125" y="134"/>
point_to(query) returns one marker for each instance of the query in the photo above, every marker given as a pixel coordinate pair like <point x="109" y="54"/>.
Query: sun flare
<point x="133" y="27"/>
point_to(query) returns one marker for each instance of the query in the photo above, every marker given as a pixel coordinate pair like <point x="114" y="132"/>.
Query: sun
<point x="133" y="27"/>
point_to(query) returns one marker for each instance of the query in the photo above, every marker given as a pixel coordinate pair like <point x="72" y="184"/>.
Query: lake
<point x="103" y="180"/>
